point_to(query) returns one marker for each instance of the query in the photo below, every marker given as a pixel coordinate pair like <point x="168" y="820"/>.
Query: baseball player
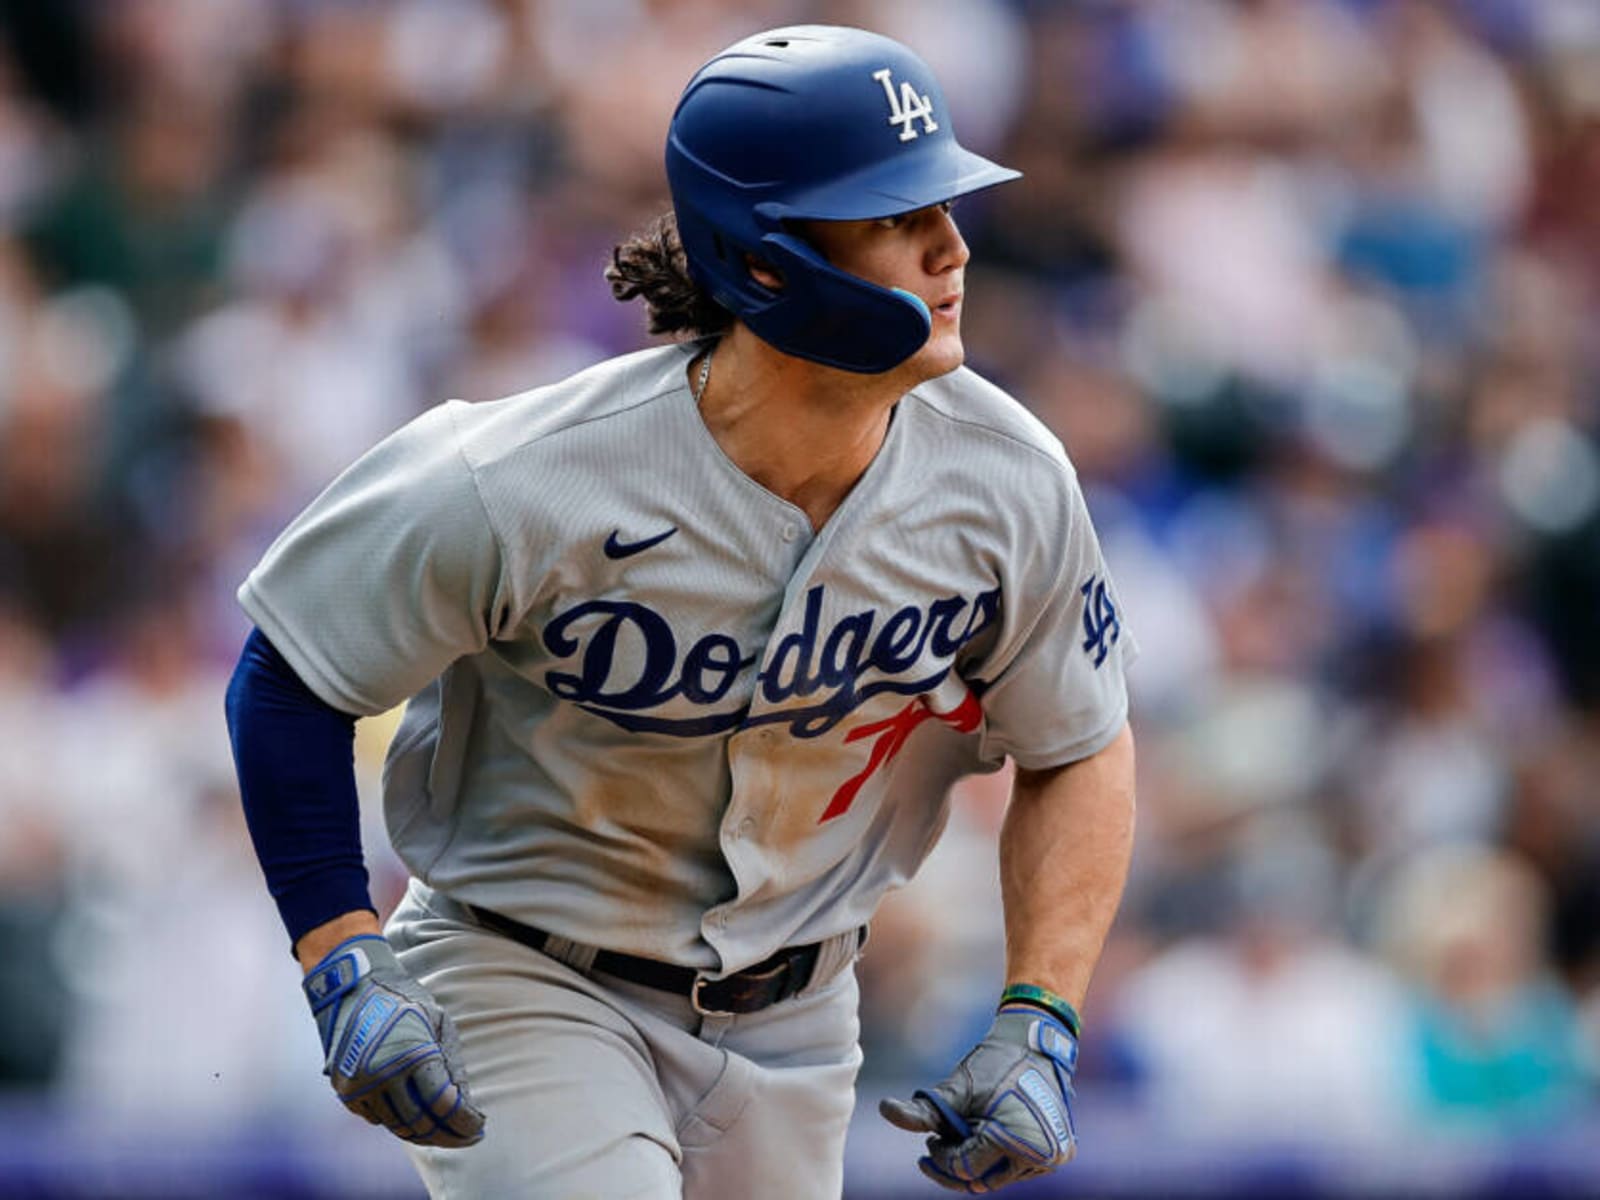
<point x="693" y="645"/>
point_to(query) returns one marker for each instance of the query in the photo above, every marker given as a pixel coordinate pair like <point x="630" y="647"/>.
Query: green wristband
<point x="1056" y="1006"/>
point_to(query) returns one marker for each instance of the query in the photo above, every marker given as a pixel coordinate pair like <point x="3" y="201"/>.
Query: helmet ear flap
<point x="821" y="311"/>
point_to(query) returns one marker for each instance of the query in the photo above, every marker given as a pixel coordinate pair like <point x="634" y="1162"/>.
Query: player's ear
<point x="765" y="274"/>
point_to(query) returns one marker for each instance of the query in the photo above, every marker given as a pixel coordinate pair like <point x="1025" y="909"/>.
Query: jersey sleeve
<point x="1056" y="686"/>
<point x="389" y="576"/>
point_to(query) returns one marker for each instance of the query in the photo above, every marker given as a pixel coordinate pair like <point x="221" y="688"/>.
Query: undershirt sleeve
<point x="294" y="754"/>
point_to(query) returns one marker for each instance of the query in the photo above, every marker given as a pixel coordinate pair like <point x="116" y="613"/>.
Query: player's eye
<point x="899" y="220"/>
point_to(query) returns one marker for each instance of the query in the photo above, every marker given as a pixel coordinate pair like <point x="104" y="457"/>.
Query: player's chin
<point x="941" y="354"/>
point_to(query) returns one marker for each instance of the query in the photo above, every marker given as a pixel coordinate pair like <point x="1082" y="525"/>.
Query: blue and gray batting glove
<point x="1004" y="1113"/>
<point x="391" y="1050"/>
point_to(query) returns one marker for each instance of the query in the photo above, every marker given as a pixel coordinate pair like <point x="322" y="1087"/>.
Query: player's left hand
<point x="1003" y="1114"/>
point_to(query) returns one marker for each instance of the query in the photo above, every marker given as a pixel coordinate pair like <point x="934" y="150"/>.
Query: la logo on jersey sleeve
<point x="1101" y="624"/>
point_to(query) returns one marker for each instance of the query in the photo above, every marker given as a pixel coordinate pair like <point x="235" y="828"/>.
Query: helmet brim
<point x="895" y="186"/>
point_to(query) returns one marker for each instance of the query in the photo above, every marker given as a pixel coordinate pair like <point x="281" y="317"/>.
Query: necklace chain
<point x="705" y="376"/>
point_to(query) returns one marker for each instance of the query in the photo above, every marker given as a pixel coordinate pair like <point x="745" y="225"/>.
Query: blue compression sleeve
<point x="295" y="759"/>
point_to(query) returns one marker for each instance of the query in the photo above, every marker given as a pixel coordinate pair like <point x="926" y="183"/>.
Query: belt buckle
<point x="701" y="981"/>
<point x="751" y="991"/>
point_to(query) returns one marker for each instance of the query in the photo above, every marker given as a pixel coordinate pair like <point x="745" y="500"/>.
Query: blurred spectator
<point x="30" y="145"/>
<point x="1269" y="1029"/>
<point x="180" y="976"/>
<point x="34" y="841"/>
<point x="313" y="374"/>
<point x="61" y="541"/>
<point x="1554" y="824"/>
<point x="142" y="214"/>
<point x="1495" y="1041"/>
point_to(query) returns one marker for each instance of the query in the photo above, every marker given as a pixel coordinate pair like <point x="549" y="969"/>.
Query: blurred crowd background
<point x="1310" y="289"/>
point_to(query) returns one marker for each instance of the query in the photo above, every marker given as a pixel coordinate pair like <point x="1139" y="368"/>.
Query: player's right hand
<point x="391" y="1050"/>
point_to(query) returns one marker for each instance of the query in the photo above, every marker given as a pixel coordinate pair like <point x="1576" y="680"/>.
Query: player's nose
<point x="947" y="249"/>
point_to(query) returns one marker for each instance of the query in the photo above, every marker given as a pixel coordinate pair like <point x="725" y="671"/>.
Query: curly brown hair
<point x="652" y="264"/>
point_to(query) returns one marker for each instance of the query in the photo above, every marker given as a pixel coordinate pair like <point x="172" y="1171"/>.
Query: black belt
<point x="751" y="990"/>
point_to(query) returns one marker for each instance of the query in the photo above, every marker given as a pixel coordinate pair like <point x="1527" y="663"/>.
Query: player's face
<point x="920" y="251"/>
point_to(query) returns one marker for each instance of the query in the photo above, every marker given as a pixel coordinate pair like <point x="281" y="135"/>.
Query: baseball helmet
<point x="813" y="122"/>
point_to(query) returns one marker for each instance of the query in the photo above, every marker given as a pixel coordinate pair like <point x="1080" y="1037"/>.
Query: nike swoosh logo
<point x="615" y="548"/>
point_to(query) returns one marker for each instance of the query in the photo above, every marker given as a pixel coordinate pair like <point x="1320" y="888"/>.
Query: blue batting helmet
<point x="813" y="122"/>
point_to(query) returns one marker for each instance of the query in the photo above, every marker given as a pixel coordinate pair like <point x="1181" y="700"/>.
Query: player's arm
<point x="295" y="757"/>
<point x="318" y="942"/>
<point x="1064" y="853"/>
<point x="1004" y="1113"/>
<point x="388" y="1045"/>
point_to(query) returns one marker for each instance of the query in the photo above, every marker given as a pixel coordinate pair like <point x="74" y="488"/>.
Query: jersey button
<point x="747" y="827"/>
<point x="791" y="531"/>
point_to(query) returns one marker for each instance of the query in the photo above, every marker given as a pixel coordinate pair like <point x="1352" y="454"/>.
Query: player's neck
<point x="803" y="431"/>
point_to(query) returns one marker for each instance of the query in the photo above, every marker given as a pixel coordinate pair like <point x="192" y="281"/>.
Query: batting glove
<point x="391" y="1050"/>
<point x="1003" y="1114"/>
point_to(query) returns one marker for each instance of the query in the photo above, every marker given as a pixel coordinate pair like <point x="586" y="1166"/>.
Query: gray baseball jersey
<point x="650" y="708"/>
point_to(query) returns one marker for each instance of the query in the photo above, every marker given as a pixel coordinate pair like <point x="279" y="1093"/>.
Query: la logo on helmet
<point x="906" y="106"/>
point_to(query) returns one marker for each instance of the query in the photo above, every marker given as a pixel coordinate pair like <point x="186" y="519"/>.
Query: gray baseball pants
<point x="600" y="1089"/>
